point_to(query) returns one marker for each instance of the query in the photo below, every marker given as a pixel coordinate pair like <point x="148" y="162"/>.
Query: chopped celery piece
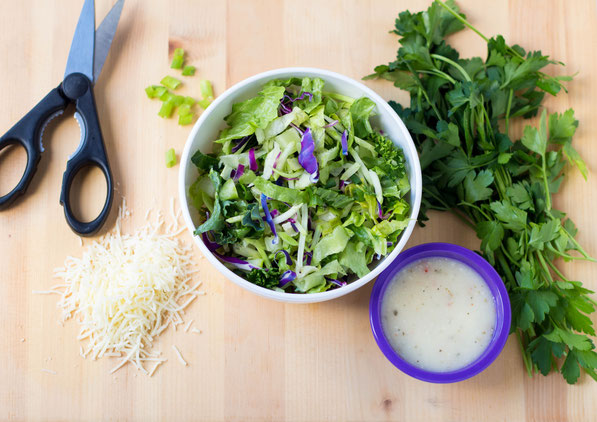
<point x="188" y="71"/>
<point x="187" y="119"/>
<point x="170" y="82"/>
<point x="177" y="100"/>
<point x="190" y="101"/>
<point x="170" y="158"/>
<point x="206" y="89"/>
<point x="205" y="102"/>
<point x="177" y="59"/>
<point x="155" y="91"/>
<point x="166" y="109"/>
<point x="166" y="95"/>
<point x="184" y="110"/>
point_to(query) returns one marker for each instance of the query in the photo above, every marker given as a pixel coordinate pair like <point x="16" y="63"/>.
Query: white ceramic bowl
<point x="212" y="121"/>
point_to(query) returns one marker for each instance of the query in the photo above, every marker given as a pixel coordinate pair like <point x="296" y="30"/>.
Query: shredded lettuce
<point x="302" y="193"/>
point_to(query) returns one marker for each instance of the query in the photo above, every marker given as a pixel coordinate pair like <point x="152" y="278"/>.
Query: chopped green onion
<point x="177" y="100"/>
<point x="166" y="95"/>
<point x="150" y="91"/>
<point x="190" y="101"/>
<point x="170" y="158"/>
<point x="177" y="59"/>
<point x="155" y="91"/>
<point x="204" y="103"/>
<point x="206" y="89"/>
<point x="188" y="71"/>
<point x="170" y="82"/>
<point x="186" y="119"/>
<point x="184" y="110"/>
<point x="166" y="109"/>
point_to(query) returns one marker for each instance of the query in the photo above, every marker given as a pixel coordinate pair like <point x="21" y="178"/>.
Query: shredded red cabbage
<point x="238" y="172"/>
<point x="306" y="157"/>
<point x="285" y="252"/>
<point x="308" y="257"/>
<point x="252" y="161"/>
<point x="211" y="245"/>
<point x="237" y="262"/>
<point x="276" y="160"/>
<point x="345" y="142"/>
<point x="331" y="124"/>
<point x="268" y="218"/>
<point x="292" y="222"/>
<point x="241" y="143"/>
<point x="336" y="282"/>
<point x="300" y="131"/>
<point x="287" y="277"/>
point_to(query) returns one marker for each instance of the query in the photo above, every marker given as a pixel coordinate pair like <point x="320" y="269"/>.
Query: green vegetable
<point x="206" y="89"/>
<point x="177" y="59"/>
<point x="460" y="115"/>
<point x="186" y="119"/>
<point x="170" y="158"/>
<point x="188" y="70"/>
<point x="295" y="204"/>
<point x="166" y="110"/>
<point x="170" y="82"/>
<point x="268" y="279"/>
<point x="155" y="91"/>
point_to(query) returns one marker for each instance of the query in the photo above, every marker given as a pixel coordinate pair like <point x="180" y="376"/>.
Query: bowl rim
<point x="487" y="273"/>
<point x="416" y="184"/>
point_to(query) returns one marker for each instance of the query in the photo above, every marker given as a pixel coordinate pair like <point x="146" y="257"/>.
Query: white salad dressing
<point x="438" y="314"/>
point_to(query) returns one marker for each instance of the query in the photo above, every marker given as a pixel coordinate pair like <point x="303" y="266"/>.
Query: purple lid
<point x="489" y="275"/>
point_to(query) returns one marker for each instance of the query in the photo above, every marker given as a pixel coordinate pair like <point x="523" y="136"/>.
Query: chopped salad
<point x="301" y="193"/>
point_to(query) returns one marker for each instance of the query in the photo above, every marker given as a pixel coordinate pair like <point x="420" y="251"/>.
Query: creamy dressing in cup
<point x="438" y="314"/>
<point x="426" y="316"/>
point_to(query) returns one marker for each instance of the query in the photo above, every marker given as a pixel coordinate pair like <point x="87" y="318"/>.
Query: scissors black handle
<point x="92" y="152"/>
<point x="27" y="133"/>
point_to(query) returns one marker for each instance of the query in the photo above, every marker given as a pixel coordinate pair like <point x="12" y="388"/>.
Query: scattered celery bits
<point x="184" y="104"/>
<point x="170" y="158"/>
<point x="188" y="71"/>
<point x="177" y="59"/>
<point x="170" y="82"/>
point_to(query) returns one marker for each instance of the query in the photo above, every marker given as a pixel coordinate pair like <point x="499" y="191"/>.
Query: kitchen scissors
<point x="86" y="58"/>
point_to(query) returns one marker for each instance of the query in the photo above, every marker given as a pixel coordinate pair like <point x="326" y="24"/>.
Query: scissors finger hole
<point x="88" y="193"/>
<point x="13" y="162"/>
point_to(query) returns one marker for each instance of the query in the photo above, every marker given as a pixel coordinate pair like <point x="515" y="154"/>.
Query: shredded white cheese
<point x="179" y="355"/>
<point x="126" y="289"/>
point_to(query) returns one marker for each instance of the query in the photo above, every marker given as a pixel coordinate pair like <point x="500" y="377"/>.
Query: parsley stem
<point x="453" y="63"/>
<point x="507" y="118"/>
<point x="506" y="268"/>
<point x="422" y="90"/>
<point x="555" y="270"/>
<point x="439" y="73"/>
<point x="454" y="211"/>
<point x="544" y="267"/>
<point x="578" y="247"/>
<point x="546" y="184"/>
<point x="570" y="257"/>
<point x="461" y="19"/>
<point x="525" y="357"/>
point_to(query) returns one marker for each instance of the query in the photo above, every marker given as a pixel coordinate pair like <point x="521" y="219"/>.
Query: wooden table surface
<point x="256" y="360"/>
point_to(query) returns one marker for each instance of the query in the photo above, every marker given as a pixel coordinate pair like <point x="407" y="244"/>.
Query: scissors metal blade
<point x="80" y="57"/>
<point x="104" y="36"/>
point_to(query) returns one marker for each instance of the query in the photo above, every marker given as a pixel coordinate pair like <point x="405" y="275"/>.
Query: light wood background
<point x="256" y="360"/>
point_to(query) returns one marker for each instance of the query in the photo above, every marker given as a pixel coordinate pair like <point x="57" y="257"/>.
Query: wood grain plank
<point x="256" y="360"/>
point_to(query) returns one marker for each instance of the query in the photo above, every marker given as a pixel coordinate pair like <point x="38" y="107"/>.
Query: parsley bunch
<point x="460" y="113"/>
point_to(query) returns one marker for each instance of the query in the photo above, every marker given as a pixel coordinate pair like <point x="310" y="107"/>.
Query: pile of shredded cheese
<point x="126" y="289"/>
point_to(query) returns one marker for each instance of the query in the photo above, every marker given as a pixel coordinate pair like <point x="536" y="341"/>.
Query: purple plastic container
<point x="477" y="263"/>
